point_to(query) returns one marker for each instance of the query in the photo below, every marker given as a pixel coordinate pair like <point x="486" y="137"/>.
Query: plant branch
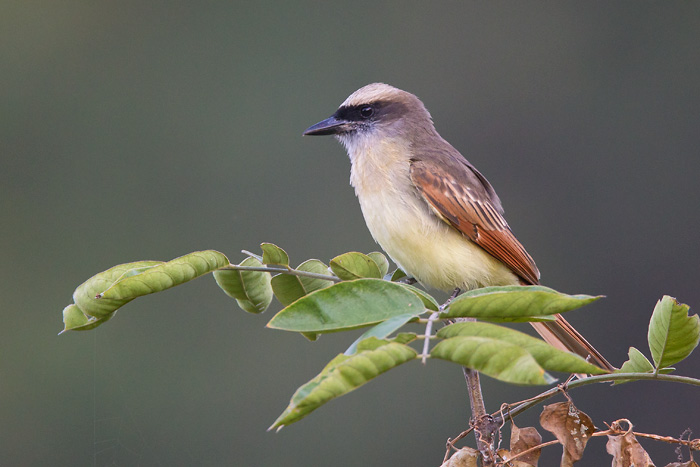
<point x="590" y="380"/>
<point x="483" y="423"/>
<point x="290" y="271"/>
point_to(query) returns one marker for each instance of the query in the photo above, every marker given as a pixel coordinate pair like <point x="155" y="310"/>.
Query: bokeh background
<point x="146" y="130"/>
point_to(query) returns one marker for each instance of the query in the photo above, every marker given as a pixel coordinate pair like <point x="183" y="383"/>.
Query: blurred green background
<point x="146" y="130"/>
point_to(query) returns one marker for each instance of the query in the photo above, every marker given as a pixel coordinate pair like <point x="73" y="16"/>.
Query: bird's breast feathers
<point x="404" y="225"/>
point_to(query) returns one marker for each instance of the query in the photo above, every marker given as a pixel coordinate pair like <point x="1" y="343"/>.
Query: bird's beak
<point x="329" y="126"/>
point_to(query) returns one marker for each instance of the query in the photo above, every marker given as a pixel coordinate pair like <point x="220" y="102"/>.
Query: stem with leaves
<point x="356" y="291"/>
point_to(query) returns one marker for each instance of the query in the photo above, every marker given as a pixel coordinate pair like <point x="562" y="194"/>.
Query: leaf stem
<point x="293" y="272"/>
<point x="428" y="335"/>
<point x="258" y="257"/>
<point x="423" y="336"/>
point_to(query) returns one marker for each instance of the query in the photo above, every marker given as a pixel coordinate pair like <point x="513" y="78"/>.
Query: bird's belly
<point x="430" y="250"/>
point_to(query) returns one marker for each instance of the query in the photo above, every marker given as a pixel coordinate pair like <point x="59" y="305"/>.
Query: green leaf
<point x="545" y="355"/>
<point x="514" y="303"/>
<point x="493" y="357"/>
<point x="637" y="363"/>
<point x="342" y="375"/>
<point x="397" y="275"/>
<point x="371" y="343"/>
<point x="354" y="265"/>
<point x="428" y="301"/>
<point x="381" y="330"/>
<point x="289" y="288"/>
<point x="73" y="317"/>
<point x="404" y="337"/>
<point x="673" y="335"/>
<point x="272" y="254"/>
<point x="84" y="295"/>
<point x="251" y="289"/>
<point x="381" y="262"/>
<point x="311" y="336"/>
<point x="166" y="275"/>
<point x="75" y="320"/>
<point x="347" y="305"/>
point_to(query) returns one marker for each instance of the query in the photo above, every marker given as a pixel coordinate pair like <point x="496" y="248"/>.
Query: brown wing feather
<point x="462" y="197"/>
<point x="459" y="198"/>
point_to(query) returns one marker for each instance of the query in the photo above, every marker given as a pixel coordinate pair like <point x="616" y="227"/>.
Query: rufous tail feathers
<point x="563" y="336"/>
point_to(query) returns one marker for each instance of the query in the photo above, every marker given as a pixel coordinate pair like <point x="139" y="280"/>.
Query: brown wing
<point x="461" y="196"/>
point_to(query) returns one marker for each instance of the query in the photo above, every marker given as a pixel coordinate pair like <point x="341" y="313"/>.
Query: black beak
<point x="329" y="126"/>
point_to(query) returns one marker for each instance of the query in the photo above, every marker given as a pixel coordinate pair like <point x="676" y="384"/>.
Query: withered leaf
<point x="522" y="439"/>
<point x="683" y="464"/>
<point x="465" y="457"/>
<point x="571" y="427"/>
<point x="505" y="455"/>
<point x="627" y="451"/>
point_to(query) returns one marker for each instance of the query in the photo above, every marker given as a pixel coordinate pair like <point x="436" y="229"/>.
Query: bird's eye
<point x="367" y="111"/>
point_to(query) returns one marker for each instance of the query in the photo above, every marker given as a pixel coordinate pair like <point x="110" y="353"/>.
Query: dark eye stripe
<point x="357" y="113"/>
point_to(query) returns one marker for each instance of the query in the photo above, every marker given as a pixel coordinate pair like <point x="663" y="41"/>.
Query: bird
<point x="435" y="215"/>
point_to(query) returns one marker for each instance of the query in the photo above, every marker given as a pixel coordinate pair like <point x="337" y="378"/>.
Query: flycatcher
<point x="434" y="214"/>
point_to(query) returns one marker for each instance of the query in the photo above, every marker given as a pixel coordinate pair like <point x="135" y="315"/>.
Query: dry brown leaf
<point x="683" y="464"/>
<point x="627" y="452"/>
<point x="505" y="455"/>
<point x="522" y="439"/>
<point x="572" y="428"/>
<point x="465" y="457"/>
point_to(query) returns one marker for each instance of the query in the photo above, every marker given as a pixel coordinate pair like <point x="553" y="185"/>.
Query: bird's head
<point x="375" y="111"/>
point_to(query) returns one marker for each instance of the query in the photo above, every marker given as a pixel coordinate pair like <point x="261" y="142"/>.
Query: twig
<point x="258" y="257"/>
<point x="597" y="379"/>
<point x="451" y="442"/>
<point x="616" y="429"/>
<point x="429" y="325"/>
<point x="693" y="444"/>
<point x="533" y="448"/>
<point x="428" y="334"/>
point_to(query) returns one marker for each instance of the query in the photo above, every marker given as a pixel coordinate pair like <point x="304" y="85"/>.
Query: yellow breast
<point x="398" y="218"/>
